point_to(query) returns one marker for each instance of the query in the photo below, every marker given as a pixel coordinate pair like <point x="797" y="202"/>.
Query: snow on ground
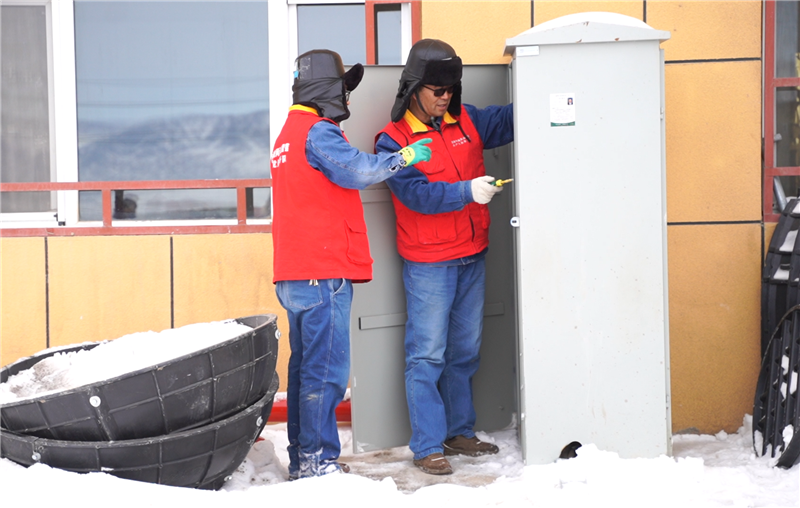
<point x="706" y="471"/>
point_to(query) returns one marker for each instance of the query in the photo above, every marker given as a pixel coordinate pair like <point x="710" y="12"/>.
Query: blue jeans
<point x="442" y="342"/>
<point x="319" y="368"/>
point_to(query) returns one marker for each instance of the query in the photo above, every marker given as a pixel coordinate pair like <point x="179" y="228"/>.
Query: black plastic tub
<point x="777" y="399"/>
<point x="201" y="458"/>
<point x="781" y="272"/>
<point x="190" y="391"/>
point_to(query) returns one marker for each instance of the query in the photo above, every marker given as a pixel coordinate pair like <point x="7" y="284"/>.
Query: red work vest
<point x="451" y="235"/>
<point x="318" y="228"/>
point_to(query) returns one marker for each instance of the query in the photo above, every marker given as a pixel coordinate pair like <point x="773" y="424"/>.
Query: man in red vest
<point x="321" y="249"/>
<point x="442" y="236"/>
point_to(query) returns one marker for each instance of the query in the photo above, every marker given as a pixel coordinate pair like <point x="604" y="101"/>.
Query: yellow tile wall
<point x="104" y="287"/>
<point x="476" y="30"/>
<point x="769" y="229"/>
<point x="227" y="276"/>
<point x="713" y="122"/>
<point x="703" y="30"/>
<point x="545" y="10"/>
<point x="23" y="318"/>
<point x="713" y="119"/>
<point x="714" y="299"/>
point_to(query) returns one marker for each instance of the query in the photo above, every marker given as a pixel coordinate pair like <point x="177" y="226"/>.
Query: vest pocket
<point x="436" y="229"/>
<point x="357" y="243"/>
<point x="431" y="167"/>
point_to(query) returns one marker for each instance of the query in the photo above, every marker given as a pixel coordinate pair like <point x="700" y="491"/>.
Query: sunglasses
<point x="347" y="95"/>
<point x="438" y="92"/>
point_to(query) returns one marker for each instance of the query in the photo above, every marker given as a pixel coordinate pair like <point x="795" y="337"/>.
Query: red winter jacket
<point x="443" y="236"/>
<point x="318" y="229"/>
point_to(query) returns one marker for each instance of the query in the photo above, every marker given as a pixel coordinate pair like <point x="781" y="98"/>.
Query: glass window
<point x="338" y="27"/>
<point x="387" y="34"/>
<point x="787" y="99"/>
<point x="24" y="106"/>
<point x="786" y="39"/>
<point x="172" y="91"/>
<point x="787" y="124"/>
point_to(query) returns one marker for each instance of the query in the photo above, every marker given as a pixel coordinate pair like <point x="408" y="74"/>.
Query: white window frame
<point x="63" y="111"/>
<point x="48" y="218"/>
<point x="405" y="31"/>
<point x="63" y="100"/>
<point x="66" y="109"/>
<point x="405" y="25"/>
<point x="283" y="79"/>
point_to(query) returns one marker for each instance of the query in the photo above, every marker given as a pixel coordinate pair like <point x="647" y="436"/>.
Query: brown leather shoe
<point x="435" y="463"/>
<point x="471" y="446"/>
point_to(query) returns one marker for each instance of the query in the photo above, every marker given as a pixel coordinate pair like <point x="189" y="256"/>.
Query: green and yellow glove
<point x="416" y="152"/>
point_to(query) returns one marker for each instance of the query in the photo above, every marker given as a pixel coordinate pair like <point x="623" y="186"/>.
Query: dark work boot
<point x="471" y="446"/>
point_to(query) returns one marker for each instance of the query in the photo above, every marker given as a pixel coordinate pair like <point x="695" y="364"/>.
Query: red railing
<point x="106" y="188"/>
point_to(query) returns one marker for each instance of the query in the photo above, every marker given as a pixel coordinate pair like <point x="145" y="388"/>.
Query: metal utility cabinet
<point x="575" y="344"/>
<point x="591" y="243"/>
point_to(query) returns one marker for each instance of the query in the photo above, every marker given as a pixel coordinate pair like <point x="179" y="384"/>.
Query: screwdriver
<point x="500" y="183"/>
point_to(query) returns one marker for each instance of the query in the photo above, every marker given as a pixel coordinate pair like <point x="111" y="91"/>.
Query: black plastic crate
<point x="201" y="458"/>
<point x="187" y="392"/>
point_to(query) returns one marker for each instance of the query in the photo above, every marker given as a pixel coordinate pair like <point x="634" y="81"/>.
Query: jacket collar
<point x="300" y="107"/>
<point x="417" y="126"/>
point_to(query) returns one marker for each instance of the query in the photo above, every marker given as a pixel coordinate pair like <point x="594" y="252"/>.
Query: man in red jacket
<point x="321" y="249"/>
<point x="442" y="236"/>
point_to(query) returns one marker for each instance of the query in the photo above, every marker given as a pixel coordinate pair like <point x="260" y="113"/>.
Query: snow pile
<point x="705" y="472"/>
<point x="129" y="353"/>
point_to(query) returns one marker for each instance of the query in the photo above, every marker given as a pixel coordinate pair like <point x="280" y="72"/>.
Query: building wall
<point x="715" y="247"/>
<point x="65" y="290"/>
<point x="104" y="287"/>
<point x="23" y="298"/>
<point x="476" y="30"/>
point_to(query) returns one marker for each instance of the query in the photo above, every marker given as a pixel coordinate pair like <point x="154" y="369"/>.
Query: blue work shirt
<point x="495" y="125"/>
<point x="345" y="165"/>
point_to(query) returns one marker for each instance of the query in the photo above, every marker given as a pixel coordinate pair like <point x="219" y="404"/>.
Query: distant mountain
<point x="189" y="147"/>
<point x="184" y="148"/>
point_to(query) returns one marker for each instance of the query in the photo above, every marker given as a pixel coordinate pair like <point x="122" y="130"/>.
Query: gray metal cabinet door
<point x="379" y="412"/>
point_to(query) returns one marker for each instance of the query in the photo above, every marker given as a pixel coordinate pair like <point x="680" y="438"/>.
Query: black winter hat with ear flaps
<point x="321" y="82"/>
<point x="430" y="62"/>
